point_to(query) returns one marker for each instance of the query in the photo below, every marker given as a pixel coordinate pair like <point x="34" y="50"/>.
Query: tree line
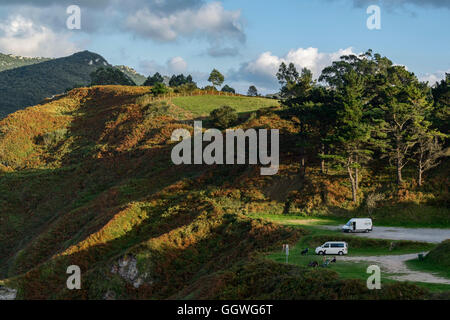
<point x="364" y="108"/>
<point x="160" y="84"/>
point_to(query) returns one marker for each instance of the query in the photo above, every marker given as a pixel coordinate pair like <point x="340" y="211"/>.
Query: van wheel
<point x="340" y="253"/>
<point x="367" y="231"/>
<point x="321" y="253"/>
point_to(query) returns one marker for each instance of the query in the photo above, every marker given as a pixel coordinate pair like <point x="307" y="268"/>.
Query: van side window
<point x="326" y="246"/>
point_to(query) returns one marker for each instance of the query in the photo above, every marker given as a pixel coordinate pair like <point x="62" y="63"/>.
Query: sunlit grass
<point x="203" y="105"/>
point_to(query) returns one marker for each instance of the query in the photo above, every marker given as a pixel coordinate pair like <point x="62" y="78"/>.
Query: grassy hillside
<point x="9" y="61"/>
<point x="203" y="105"/>
<point x="29" y="85"/>
<point x="441" y="254"/>
<point x="87" y="180"/>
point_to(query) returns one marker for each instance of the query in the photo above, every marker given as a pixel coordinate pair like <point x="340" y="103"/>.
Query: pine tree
<point x="351" y="141"/>
<point x="404" y="103"/>
<point x="152" y="80"/>
<point x="428" y="149"/>
<point x="441" y="97"/>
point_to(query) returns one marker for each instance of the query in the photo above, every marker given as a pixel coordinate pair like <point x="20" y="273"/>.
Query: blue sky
<point x="246" y="40"/>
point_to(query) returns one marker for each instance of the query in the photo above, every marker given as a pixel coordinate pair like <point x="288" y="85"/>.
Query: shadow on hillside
<point x="172" y="258"/>
<point x="95" y="184"/>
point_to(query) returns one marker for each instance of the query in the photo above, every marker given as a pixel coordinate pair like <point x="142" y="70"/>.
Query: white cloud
<point x="210" y="20"/>
<point x="159" y="20"/>
<point x="309" y="58"/>
<point x="21" y="36"/>
<point x="262" y="71"/>
<point x="434" y="77"/>
<point x="177" y="65"/>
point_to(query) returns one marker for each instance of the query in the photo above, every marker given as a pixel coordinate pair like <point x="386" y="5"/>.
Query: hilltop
<point x="9" y="61"/>
<point x="29" y="85"/>
<point x="87" y="179"/>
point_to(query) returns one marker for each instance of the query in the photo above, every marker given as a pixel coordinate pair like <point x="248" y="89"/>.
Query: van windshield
<point x="349" y="223"/>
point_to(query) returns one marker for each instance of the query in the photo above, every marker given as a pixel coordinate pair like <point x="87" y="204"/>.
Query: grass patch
<point x="351" y="270"/>
<point x="300" y="220"/>
<point x="428" y="266"/>
<point x="203" y="105"/>
<point x="436" y="261"/>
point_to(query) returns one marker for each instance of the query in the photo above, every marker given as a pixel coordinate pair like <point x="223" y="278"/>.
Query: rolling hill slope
<point x="29" y="85"/>
<point x="87" y="180"/>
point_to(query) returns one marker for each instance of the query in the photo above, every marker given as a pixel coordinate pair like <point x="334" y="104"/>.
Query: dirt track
<point x="395" y="264"/>
<point x="395" y="233"/>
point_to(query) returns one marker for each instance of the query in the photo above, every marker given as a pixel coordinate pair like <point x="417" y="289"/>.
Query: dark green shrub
<point x="210" y="88"/>
<point x="224" y="117"/>
<point x="227" y="88"/>
<point x="262" y="280"/>
<point x="441" y="254"/>
<point x="159" y="89"/>
<point x="156" y="110"/>
<point x="50" y="138"/>
<point x="186" y="88"/>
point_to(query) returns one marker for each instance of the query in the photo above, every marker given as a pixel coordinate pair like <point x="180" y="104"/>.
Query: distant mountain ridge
<point x="10" y="61"/>
<point x="138" y="78"/>
<point x="31" y="84"/>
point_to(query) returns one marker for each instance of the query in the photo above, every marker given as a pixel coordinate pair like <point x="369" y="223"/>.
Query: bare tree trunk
<point x="399" y="173"/>
<point x="356" y="176"/>
<point x="420" y="167"/>
<point x="399" y="164"/>
<point x="352" y="181"/>
<point x="322" y="163"/>
<point x="420" y="177"/>
<point x="304" y="165"/>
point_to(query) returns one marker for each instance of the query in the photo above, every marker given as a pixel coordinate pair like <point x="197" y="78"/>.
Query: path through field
<point x="395" y="264"/>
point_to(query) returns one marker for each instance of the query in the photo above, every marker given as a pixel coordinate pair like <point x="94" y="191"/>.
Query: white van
<point x="333" y="247"/>
<point x="358" y="225"/>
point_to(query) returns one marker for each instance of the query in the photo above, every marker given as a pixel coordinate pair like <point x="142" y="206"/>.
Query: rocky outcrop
<point x="7" y="293"/>
<point x="126" y="267"/>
